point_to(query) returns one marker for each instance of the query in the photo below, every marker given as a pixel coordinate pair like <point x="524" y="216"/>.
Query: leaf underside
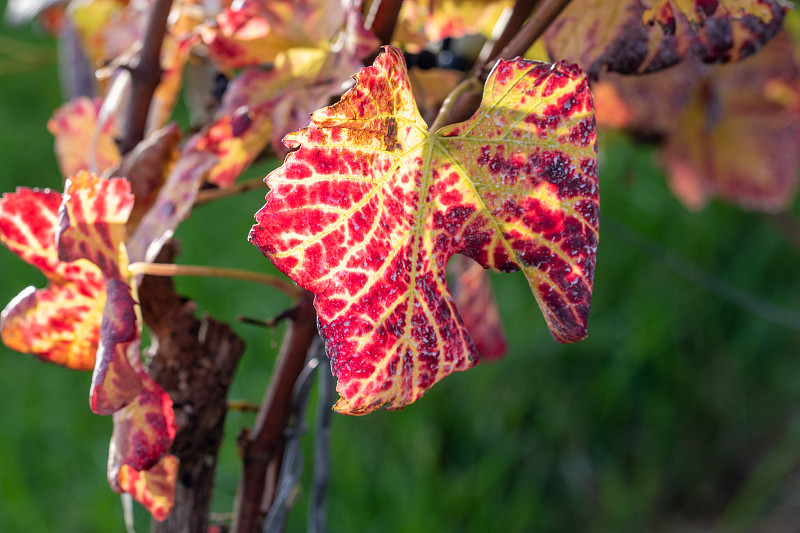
<point x="367" y="210"/>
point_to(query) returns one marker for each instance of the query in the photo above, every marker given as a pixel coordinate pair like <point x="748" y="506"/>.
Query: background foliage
<point x="679" y="410"/>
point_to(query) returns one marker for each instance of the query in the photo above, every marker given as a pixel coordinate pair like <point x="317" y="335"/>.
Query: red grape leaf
<point x="73" y="126"/>
<point x="628" y="37"/>
<point x="61" y="323"/>
<point x="472" y="291"/>
<point x="727" y="130"/>
<point x="92" y="226"/>
<point x="153" y="488"/>
<point x="368" y="208"/>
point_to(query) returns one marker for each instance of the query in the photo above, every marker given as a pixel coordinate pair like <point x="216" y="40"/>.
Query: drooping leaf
<point x="92" y="227"/>
<point x="633" y="36"/>
<point x="92" y="222"/>
<point x="61" y="323"/>
<point x="153" y="488"/>
<point x="138" y="462"/>
<point x="78" y="146"/>
<point x="474" y="297"/>
<point x="368" y="208"/>
<point x="728" y="130"/>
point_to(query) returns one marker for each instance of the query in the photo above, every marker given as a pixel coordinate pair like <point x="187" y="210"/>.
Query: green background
<point x="679" y="412"/>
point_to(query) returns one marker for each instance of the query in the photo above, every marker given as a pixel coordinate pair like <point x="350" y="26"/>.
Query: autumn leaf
<point x="153" y="488"/>
<point x="92" y="222"/>
<point x="726" y="130"/>
<point x="370" y="205"/>
<point x="61" y="323"/>
<point x="262" y="105"/>
<point x="146" y="168"/>
<point x="630" y="37"/>
<point x="81" y="143"/>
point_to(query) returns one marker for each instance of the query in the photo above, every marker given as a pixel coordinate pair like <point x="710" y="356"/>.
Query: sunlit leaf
<point x="61" y="323"/>
<point x="92" y="227"/>
<point x="628" y="36"/>
<point x="729" y="130"/>
<point x="138" y="462"/>
<point x="107" y="28"/>
<point x="92" y="222"/>
<point x="263" y="105"/>
<point x="368" y="208"/>
<point x="78" y="146"/>
<point x="153" y="488"/>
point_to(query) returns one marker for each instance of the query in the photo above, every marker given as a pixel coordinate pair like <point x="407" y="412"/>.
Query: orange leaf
<point x="628" y="37"/>
<point x="61" y="323"/>
<point x="368" y="208"/>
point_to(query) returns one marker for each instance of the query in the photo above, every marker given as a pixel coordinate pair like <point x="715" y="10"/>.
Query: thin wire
<point x="322" y="432"/>
<point x="292" y="467"/>
<point x="782" y="316"/>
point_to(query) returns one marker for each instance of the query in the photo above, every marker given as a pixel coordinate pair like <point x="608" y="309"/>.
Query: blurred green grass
<point x="656" y="421"/>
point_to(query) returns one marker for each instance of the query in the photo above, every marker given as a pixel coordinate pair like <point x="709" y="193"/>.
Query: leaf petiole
<point x="169" y="269"/>
<point x="468" y="85"/>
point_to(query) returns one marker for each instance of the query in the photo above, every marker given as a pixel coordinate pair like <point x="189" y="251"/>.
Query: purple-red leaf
<point x="632" y="36"/>
<point x="61" y="323"/>
<point x="729" y="131"/>
<point x="368" y="208"/>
